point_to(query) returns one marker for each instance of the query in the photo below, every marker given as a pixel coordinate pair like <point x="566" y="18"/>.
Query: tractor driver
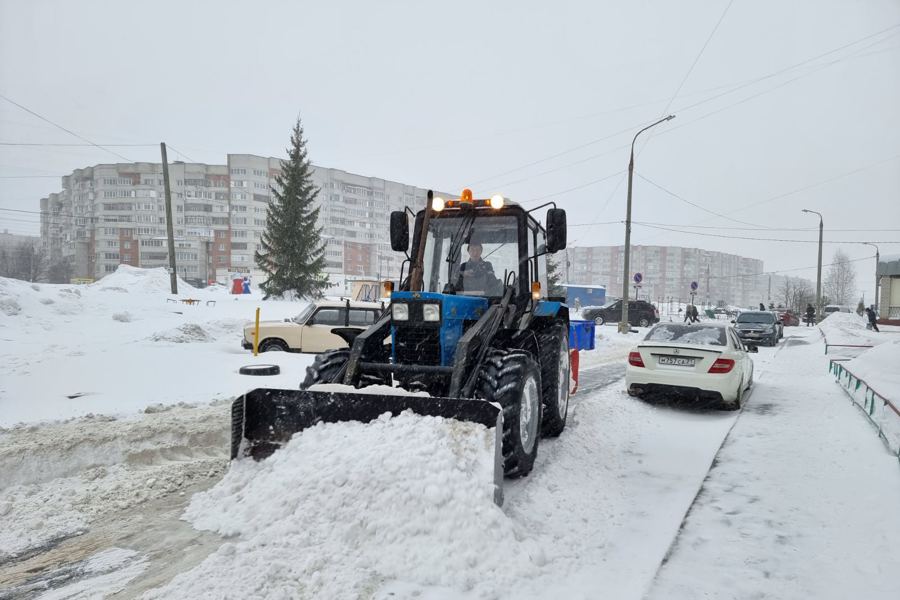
<point x="476" y="274"/>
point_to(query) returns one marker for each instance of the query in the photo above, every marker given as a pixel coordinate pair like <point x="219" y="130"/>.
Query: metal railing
<point x="881" y="412"/>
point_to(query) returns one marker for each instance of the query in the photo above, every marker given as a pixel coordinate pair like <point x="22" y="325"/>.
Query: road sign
<point x="638" y="277"/>
<point x="694" y="285"/>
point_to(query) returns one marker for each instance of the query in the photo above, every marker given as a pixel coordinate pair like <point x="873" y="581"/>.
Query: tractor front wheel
<point x="512" y="379"/>
<point x="325" y="367"/>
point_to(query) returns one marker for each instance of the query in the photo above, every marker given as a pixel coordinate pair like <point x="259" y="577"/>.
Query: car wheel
<point x="599" y="320"/>
<point x="273" y="346"/>
<point x="644" y="322"/>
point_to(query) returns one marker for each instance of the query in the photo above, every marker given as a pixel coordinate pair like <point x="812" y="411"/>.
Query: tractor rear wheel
<point x="512" y="379"/>
<point x="325" y="367"/>
<point x="555" y="373"/>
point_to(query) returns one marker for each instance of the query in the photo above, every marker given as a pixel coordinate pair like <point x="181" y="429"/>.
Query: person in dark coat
<point x="872" y="318"/>
<point x="762" y="306"/>
<point x="695" y="314"/>
<point x="477" y="274"/>
<point x="810" y="315"/>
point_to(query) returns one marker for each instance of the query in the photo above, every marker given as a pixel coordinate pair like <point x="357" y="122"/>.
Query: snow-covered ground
<point x="139" y="500"/>
<point x="124" y="343"/>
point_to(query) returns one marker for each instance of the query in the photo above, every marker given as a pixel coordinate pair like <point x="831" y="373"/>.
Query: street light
<point x="624" y="326"/>
<point x="819" y="270"/>
<point x="877" y="257"/>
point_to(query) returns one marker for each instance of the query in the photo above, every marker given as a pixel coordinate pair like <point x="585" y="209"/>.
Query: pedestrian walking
<point x="762" y="306"/>
<point x="810" y="315"/>
<point x="870" y="313"/>
<point x="687" y="313"/>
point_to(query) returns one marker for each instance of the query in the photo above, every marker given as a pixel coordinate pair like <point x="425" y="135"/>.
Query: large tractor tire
<point x="512" y="379"/>
<point x="325" y="367"/>
<point x="329" y="365"/>
<point x="555" y="378"/>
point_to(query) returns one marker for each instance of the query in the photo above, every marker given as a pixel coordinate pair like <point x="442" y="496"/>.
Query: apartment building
<point x="114" y="214"/>
<point x="668" y="271"/>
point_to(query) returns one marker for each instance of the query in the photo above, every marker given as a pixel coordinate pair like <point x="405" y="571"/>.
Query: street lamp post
<point x="624" y="326"/>
<point x="877" y="257"/>
<point x="819" y="269"/>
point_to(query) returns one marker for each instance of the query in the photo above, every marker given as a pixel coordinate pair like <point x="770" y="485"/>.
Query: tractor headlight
<point x="400" y="312"/>
<point x="431" y="312"/>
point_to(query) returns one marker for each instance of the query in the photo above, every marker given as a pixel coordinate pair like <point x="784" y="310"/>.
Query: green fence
<point x="880" y="411"/>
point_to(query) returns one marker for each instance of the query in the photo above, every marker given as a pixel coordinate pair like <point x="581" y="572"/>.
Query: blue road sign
<point x="694" y="285"/>
<point x="638" y="277"/>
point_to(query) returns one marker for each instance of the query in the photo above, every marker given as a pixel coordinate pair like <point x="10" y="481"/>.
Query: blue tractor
<point x="470" y="323"/>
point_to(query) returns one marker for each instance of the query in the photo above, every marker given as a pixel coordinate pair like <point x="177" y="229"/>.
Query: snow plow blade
<point x="263" y="420"/>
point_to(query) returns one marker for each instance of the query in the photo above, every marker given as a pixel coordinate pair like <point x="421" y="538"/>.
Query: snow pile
<point x="878" y="367"/>
<point x="189" y="332"/>
<point x="59" y="479"/>
<point x="848" y="328"/>
<point x="346" y="508"/>
<point x="134" y="279"/>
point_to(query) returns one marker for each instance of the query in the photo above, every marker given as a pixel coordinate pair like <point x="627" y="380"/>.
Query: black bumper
<point x="246" y="345"/>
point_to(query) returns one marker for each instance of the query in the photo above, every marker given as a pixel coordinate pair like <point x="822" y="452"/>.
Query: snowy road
<point x="90" y="517"/>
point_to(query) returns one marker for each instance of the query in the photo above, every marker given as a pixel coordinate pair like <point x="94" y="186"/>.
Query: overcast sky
<point x="530" y="99"/>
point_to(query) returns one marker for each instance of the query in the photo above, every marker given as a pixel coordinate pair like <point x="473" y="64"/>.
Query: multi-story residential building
<point x="114" y="214"/>
<point x="668" y="272"/>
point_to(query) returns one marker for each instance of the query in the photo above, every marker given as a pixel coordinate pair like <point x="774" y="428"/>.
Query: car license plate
<point x="676" y="361"/>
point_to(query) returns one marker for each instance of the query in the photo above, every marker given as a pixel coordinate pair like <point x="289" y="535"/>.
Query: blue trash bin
<point x="581" y="335"/>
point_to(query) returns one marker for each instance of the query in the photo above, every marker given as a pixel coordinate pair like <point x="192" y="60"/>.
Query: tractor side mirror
<point x="399" y="231"/>
<point x="556" y="230"/>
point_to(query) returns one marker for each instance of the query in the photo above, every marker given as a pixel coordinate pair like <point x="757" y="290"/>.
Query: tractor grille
<point x="418" y="345"/>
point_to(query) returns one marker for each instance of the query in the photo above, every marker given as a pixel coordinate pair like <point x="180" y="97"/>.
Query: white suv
<point x="314" y="329"/>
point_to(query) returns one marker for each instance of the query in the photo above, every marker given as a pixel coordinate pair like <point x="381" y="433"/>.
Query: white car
<point x="314" y="329"/>
<point x="704" y="361"/>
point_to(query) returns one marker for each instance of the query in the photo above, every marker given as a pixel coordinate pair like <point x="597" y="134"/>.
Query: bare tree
<point x="27" y="262"/>
<point x="840" y="281"/>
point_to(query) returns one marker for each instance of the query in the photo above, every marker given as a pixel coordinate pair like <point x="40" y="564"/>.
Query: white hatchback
<point x="696" y="361"/>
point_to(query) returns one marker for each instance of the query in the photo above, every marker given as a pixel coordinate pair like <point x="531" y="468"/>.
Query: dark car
<point x="758" y="326"/>
<point x="640" y="313"/>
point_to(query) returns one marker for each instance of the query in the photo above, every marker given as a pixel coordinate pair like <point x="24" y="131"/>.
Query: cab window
<point x="362" y="316"/>
<point x="328" y="316"/>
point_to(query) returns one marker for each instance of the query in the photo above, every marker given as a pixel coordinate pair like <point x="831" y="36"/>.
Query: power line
<point x="757" y="239"/>
<point x="694" y="204"/>
<point x="29" y="176"/>
<point x="696" y="59"/>
<point x="75" y="145"/>
<point x="70" y="132"/>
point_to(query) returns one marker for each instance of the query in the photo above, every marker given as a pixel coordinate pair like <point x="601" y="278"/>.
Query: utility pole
<point x="770" y="290"/>
<point x="707" y="285"/>
<point x="819" y="269"/>
<point x="624" y="325"/>
<point x="877" y="279"/>
<point x="170" y="232"/>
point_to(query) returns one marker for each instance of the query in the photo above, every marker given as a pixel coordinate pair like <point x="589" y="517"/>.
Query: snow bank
<point x="848" y="328"/>
<point x="134" y="279"/>
<point x="346" y="508"/>
<point x="879" y="368"/>
<point x="119" y="345"/>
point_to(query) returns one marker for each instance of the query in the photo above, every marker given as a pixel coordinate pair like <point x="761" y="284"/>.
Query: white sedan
<point x="694" y="361"/>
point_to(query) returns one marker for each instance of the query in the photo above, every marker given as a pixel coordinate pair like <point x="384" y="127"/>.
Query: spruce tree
<point x="553" y="275"/>
<point x="291" y="252"/>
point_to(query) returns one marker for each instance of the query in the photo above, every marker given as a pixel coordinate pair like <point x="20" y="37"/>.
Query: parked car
<point x="695" y="361"/>
<point x="321" y="326"/>
<point x="640" y="313"/>
<point x="788" y="318"/>
<point x="831" y="308"/>
<point x="758" y="326"/>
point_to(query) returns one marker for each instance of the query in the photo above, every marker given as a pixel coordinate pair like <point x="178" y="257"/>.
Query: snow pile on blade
<point x="345" y="509"/>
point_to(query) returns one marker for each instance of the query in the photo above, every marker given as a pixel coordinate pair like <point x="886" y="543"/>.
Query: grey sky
<point x="447" y="95"/>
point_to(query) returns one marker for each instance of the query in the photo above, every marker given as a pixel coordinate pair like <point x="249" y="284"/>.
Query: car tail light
<point x="722" y="365"/>
<point x="635" y="360"/>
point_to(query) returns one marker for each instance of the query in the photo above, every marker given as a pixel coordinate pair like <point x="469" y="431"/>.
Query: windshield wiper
<point x="456" y="241"/>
